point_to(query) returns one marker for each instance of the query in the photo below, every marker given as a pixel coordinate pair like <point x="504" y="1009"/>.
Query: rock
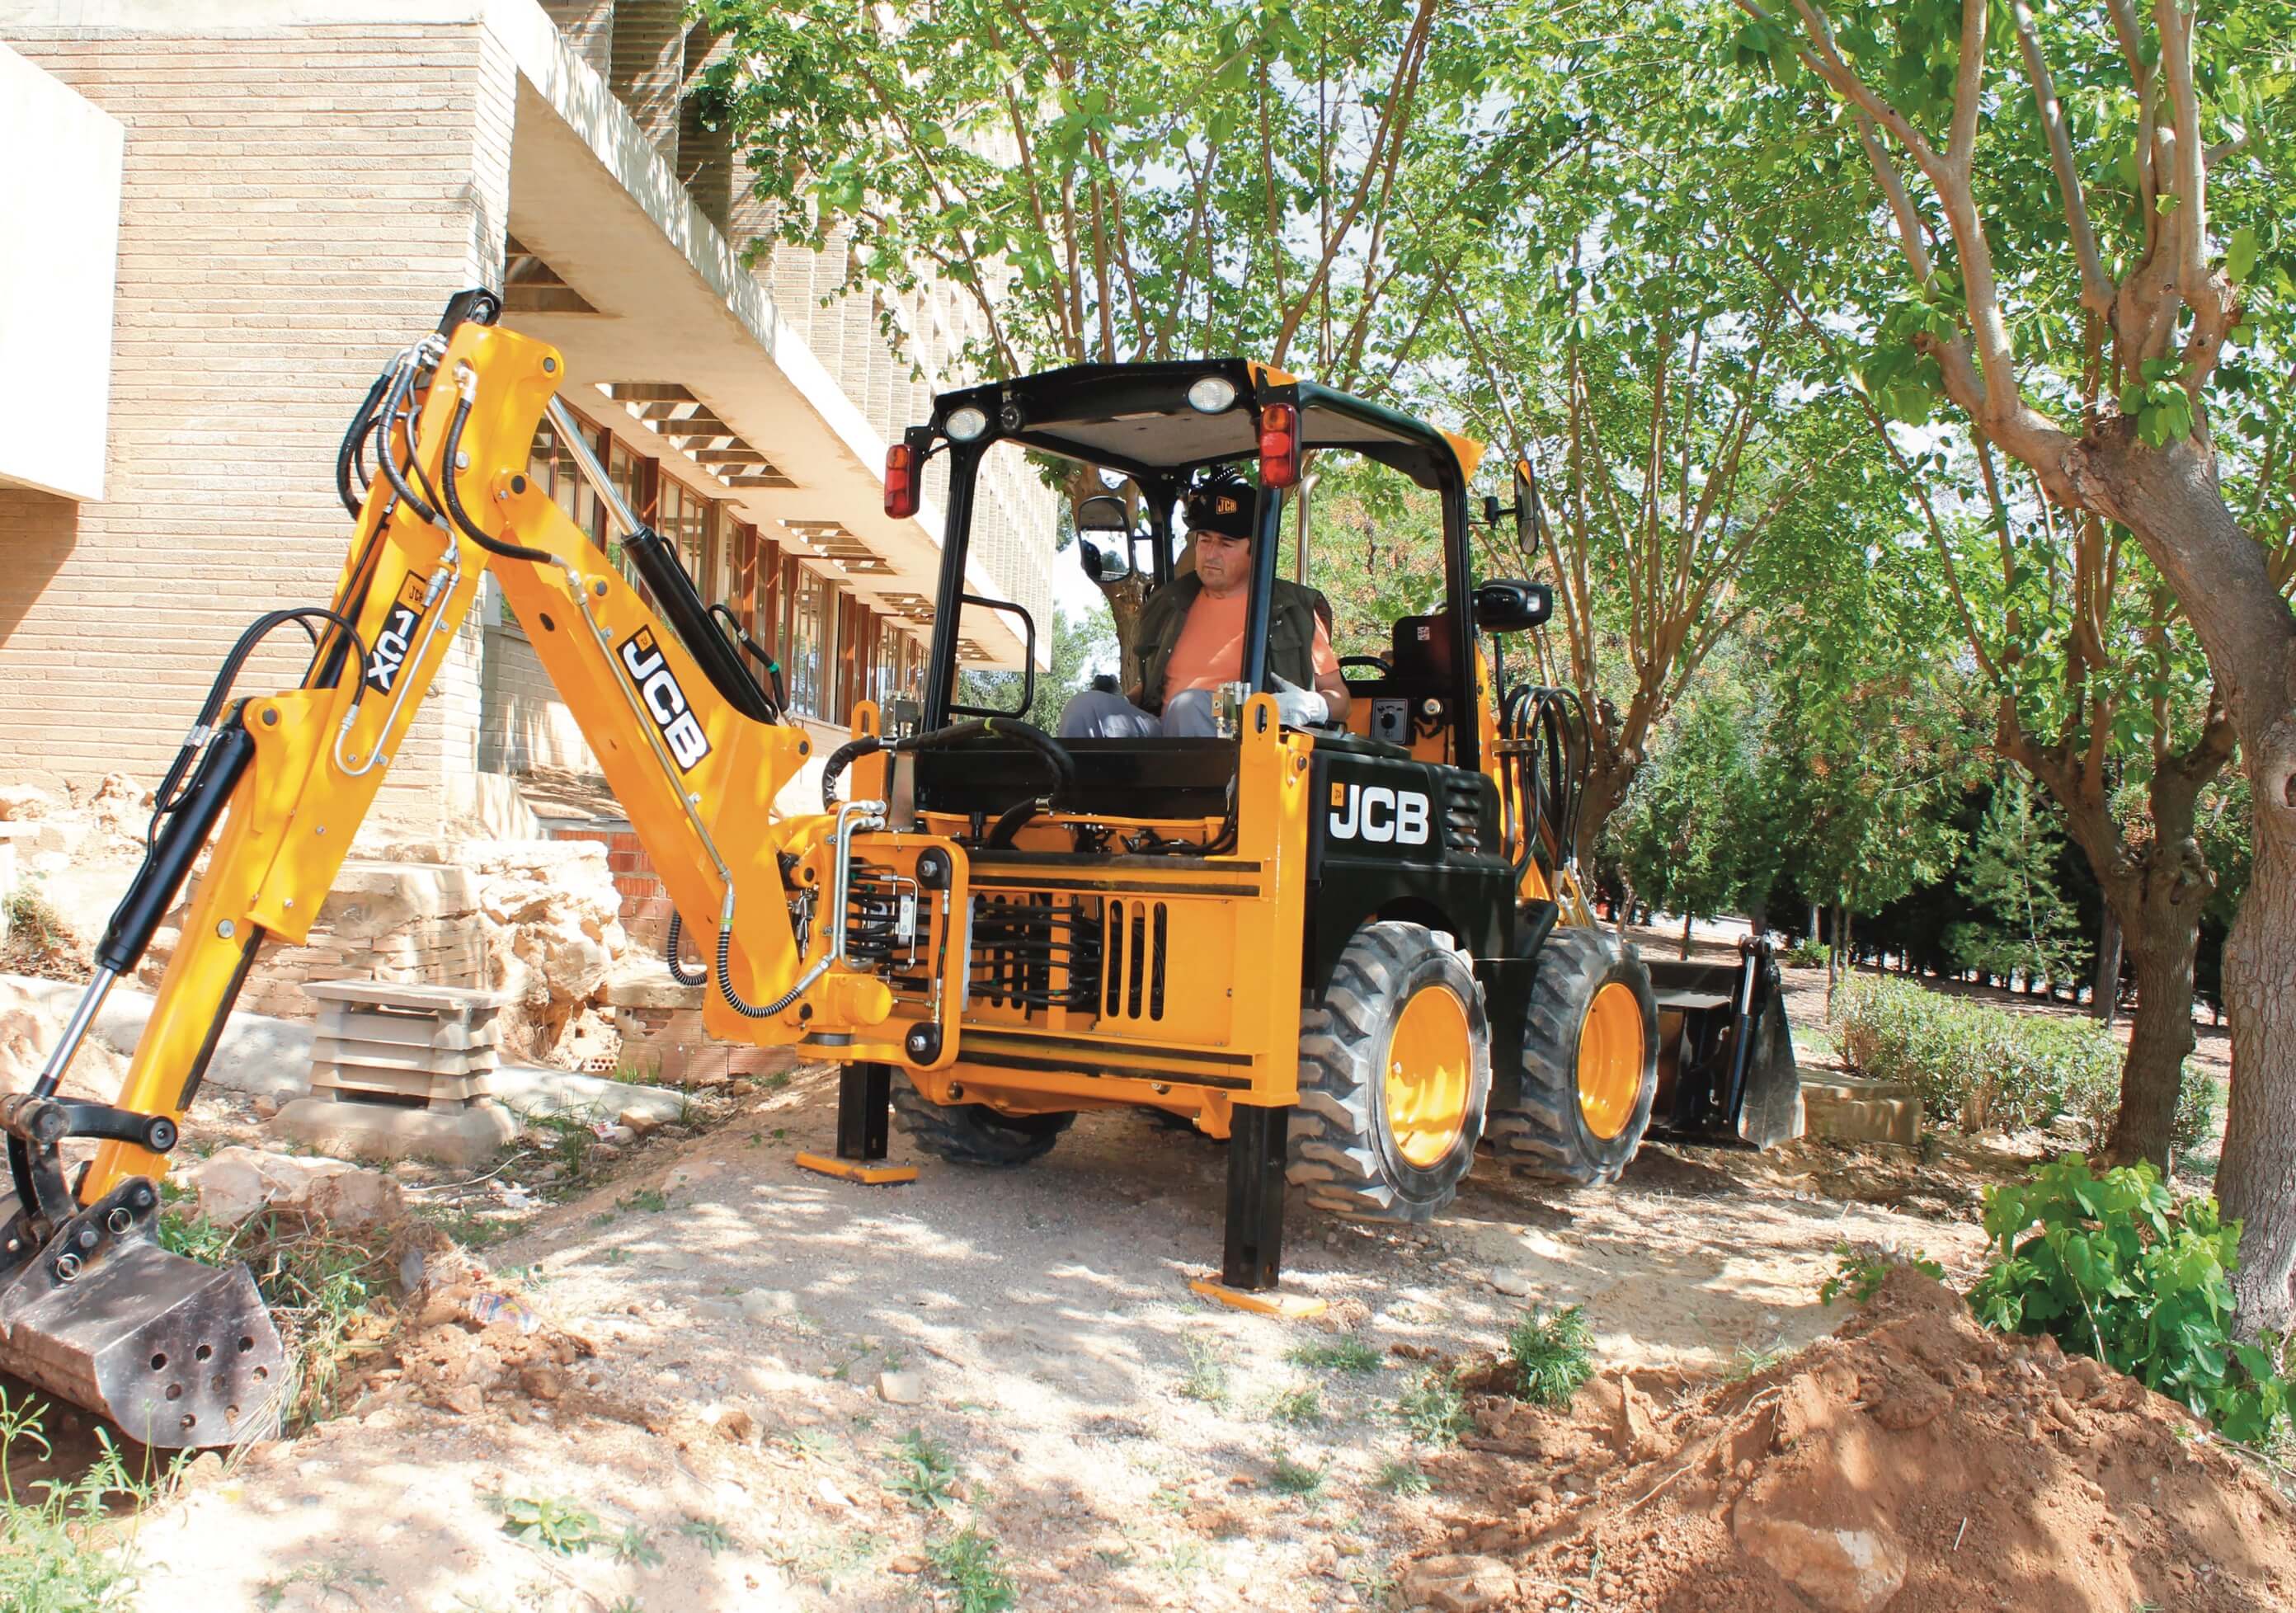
<point x="618" y="1136"/>
<point x="265" y="1108"/>
<point x="1842" y="1570"/>
<point x="1634" y="1434"/>
<point x="734" y="1424"/>
<point x="236" y="1183"/>
<point x="1460" y="1584"/>
<point x="1513" y="1283"/>
<point x="22" y="802"/>
<point x="907" y="1562"/>
<point x="638" y="1122"/>
<point x="901" y="1388"/>
<point x="543" y="1381"/>
<point x="760" y="1303"/>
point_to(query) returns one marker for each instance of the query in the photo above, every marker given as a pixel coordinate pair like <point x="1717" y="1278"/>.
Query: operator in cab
<point x="1191" y="637"/>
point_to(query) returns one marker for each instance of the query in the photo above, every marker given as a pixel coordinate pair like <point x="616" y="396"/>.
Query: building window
<point x="812" y="661"/>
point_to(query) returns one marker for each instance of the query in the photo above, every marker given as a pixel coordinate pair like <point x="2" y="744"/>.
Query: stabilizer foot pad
<point x="1265" y="1302"/>
<point x="869" y="1174"/>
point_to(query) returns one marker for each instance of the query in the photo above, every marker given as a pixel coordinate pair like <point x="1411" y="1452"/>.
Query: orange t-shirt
<point x="1210" y="648"/>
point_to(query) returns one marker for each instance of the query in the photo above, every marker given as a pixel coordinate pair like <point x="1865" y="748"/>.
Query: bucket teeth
<point x="172" y="1352"/>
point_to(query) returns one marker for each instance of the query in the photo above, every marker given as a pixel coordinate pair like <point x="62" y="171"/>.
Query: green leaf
<point x="2240" y="254"/>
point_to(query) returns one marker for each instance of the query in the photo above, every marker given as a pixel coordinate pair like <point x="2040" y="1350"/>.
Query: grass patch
<point x="551" y="1524"/>
<point x="1206" y="1379"/>
<point x="335" y="1579"/>
<point x="1290" y="1478"/>
<point x="1434" y="1409"/>
<point x="1552" y="1355"/>
<point x="925" y="1473"/>
<point x="326" y="1294"/>
<point x="653" y="1200"/>
<point x="971" y="1565"/>
<point x="1399" y="1478"/>
<point x="708" y="1534"/>
<point x="1345" y="1353"/>
<point x="51" y="1554"/>
<point x="1300" y="1408"/>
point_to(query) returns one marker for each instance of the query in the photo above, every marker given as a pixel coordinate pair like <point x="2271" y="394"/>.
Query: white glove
<point x="1298" y="708"/>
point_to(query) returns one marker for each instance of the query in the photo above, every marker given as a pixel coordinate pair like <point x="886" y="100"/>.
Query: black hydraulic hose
<point x="767" y="665"/>
<point x="402" y="381"/>
<point x="671" y="954"/>
<point x="840" y="759"/>
<point x="349" y="472"/>
<point x="169" y="796"/>
<point x="471" y="528"/>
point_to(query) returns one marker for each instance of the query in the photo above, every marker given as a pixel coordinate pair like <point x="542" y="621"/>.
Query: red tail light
<point x="1279" y="445"/>
<point x="900" y="481"/>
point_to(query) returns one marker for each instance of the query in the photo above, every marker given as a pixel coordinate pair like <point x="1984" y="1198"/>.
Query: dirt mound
<point x="1913" y="1461"/>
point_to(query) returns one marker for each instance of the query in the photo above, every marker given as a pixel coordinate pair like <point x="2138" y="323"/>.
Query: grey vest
<point x="1291" y="635"/>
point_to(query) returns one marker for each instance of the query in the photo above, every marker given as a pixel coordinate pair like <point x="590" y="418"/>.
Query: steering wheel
<point x="1378" y="663"/>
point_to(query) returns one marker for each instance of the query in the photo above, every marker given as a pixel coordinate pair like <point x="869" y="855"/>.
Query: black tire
<point x="1344" y="1150"/>
<point x="1548" y="1133"/>
<point x="973" y="1134"/>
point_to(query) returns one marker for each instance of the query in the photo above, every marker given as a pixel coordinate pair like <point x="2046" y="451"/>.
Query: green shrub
<point x="1981" y="1068"/>
<point x="2112" y="1266"/>
<point x="56" y="1555"/>
<point x="1809" y="952"/>
<point x="1552" y="1355"/>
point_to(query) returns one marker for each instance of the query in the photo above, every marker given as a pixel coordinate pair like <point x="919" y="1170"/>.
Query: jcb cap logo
<point x="396" y="639"/>
<point x="665" y="701"/>
<point x="1374" y="812"/>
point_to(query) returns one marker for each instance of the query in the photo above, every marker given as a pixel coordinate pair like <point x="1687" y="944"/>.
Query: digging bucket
<point x="172" y="1352"/>
<point x="1727" y="1070"/>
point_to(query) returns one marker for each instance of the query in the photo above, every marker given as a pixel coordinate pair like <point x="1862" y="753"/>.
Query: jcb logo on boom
<point x="1374" y="812"/>
<point x="665" y="701"/>
<point x="395" y="642"/>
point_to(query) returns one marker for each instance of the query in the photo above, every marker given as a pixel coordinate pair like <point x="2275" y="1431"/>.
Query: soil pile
<point x="1913" y="1461"/>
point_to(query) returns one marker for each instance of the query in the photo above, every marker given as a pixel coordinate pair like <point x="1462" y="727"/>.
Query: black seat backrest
<point x="1423" y="653"/>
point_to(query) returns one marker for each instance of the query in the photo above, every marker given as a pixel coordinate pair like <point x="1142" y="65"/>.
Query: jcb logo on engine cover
<point x="395" y="642"/>
<point x="1375" y="813"/>
<point x="665" y="701"/>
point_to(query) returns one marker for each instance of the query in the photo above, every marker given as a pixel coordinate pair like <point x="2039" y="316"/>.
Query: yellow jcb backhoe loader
<point x="1355" y="955"/>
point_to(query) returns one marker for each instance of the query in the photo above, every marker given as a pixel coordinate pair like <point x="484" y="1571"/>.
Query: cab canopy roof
<point x="1137" y="418"/>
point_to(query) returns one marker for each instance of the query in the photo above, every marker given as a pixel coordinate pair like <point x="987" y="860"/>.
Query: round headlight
<point x="967" y="423"/>
<point x="1211" y="395"/>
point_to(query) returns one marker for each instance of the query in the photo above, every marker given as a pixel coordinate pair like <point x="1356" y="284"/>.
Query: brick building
<point x="295" y="187"/>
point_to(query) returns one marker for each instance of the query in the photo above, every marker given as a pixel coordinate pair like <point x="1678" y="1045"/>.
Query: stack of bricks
<point x="413" y="1046"/>
<point x="646" y="906"/>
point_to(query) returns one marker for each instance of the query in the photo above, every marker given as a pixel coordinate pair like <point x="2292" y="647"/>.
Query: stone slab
<point x="464" y="1138"/>
<point x="346" y="1024"/>
<point x="434" y="999"/>
<point x="258" y="1054"/>
<point x="531" y="1089"/>
<point x="1858" y="1110"/>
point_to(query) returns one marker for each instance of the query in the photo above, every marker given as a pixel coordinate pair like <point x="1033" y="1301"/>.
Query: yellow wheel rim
<point x="1430" y="1068"/>
<point x="1610" y="1060"/>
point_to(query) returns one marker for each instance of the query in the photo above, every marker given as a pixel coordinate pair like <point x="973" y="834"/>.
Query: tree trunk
<point x="2257" y="1177"/>
<point x="1607" y="779"/>
<point x="2161" y="1035"/>
<point x="2171" y="499"/>
<point x="1686" y="936"/>
<point x="2104" y="994"/>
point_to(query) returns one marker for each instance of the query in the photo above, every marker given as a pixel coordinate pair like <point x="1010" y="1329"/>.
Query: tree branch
<point x="2096" y="287"/>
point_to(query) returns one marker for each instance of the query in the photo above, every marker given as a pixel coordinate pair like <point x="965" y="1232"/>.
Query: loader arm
<point x="695" y="759"/>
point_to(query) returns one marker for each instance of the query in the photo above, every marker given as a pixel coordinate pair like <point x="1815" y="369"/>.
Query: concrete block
<point x="534" y="1089"/>
<point x="464" y="1138"/>
<point x="1856" y="1110"/>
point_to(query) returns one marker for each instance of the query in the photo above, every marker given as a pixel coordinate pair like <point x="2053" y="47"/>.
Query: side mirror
<point x="1510" y="607"/>
<point x="1103" y="512"/>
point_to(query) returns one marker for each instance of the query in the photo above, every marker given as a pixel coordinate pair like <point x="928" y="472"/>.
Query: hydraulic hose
<point x="350" y="470"/>
<point x="394" y="399"/>
<point x="672" y="954"/>
<point x="471" y="528"/>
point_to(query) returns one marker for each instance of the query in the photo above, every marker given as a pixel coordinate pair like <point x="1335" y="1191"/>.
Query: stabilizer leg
<point x="1254" y="1256"/>
<point x="864" y="1126"/>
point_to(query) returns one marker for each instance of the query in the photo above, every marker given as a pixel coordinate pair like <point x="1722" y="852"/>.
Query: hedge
<point x="1984" y="1068"/>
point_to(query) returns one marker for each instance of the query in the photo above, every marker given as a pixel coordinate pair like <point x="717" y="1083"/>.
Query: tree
<point x="1691" y="838"/>
<point x="1110" y="181"/>
<point x="1617" y="336"/>
<point x="2026" y="925"/>
<point x="2069" y="206"/>
<point x="1082" y="645"/>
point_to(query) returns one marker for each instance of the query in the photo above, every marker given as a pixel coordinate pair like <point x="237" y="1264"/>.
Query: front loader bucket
<point x="172" y="1352"/>
<point x="1726" y="1060"/>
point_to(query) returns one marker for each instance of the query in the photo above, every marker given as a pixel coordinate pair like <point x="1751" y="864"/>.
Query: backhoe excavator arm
<point x="694" y="754"/>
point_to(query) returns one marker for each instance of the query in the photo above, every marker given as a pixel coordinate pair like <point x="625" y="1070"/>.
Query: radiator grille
<point x="1136" y="934"/>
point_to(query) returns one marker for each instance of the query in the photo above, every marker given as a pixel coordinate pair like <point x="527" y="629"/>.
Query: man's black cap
<point x="1222" y="502"/>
